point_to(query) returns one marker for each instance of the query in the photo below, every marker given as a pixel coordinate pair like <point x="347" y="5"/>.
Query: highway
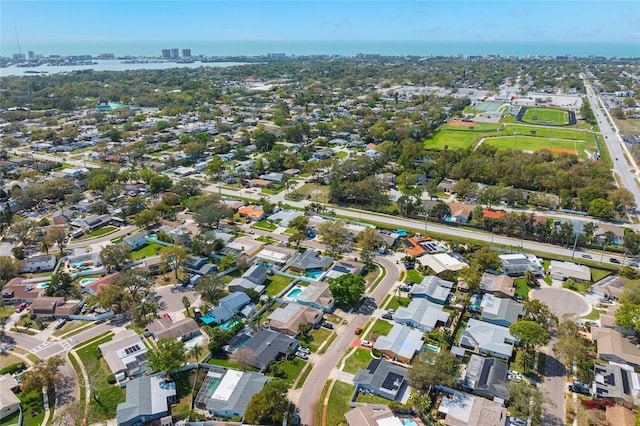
<point x="624" y="166"/>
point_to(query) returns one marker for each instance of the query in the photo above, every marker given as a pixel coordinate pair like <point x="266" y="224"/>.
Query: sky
<point x="212" y="20"/>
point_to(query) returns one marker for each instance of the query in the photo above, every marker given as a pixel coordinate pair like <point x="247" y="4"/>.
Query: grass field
<point x="546" y="116"/>
<point x="380" y="328"/>
<point x="265" y="225"/>
<point x="532" y="143"/>
<point x="359" y="359"/>
<point x="275" y="284"/>
<point x="339" y="402"/>
<point x="151" y="249"/>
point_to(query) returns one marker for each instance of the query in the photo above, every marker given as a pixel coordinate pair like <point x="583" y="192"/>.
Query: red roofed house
<point x="253" y="212"/>
<point x="492" y="214"/>
<point x="97" y="286"/>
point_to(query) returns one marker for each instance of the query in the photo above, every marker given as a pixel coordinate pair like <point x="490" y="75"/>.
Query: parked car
<point x="60" y="324"/>
<point x="21" y="307"/>
<point x="358" y="331"/>
<point x="327" y="325"/>
<point x="580" y="388"/>
<point x="366" y="344"/>
<point x="302" y="355"/>
<point x="304" y="350"/>
<point x="387" y="316"/>
<point x="517" y="421"/>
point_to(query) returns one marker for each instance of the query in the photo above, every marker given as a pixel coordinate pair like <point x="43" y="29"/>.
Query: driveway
<point x="169" y="297"/>
<point x="561" y="301"/>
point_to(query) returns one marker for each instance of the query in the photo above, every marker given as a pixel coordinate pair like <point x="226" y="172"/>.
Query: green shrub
<point x="13" y="368"/>
<point x="111" y="379"/>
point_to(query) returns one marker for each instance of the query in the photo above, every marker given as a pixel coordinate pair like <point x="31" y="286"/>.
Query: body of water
<point x="329" y="47"/>
<point x="106" y="65"/>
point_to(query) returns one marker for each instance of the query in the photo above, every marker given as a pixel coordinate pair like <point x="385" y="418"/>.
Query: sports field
<point x="556" y="117"/>
<point x="531" y="143"/>
<point x="453" y="139"/>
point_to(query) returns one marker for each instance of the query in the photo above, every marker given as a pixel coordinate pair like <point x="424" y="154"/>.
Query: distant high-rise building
<point x="32" y="54"/>
<point x="106" y="56"/>
<point x="166" y="53"/>
<point x="186" y="53"/>
<point x="175" y="53"/>
<point x="18" y="56"/>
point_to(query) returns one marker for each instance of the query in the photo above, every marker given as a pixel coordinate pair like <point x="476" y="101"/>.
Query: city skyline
<point x="32" y="22"/>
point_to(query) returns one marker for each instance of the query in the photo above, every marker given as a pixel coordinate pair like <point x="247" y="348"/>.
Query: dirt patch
<point x="460" y="123"/>
<point x="559" y="150"/>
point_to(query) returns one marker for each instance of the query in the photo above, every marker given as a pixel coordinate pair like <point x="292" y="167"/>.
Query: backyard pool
<point x="432" y="347"/>
<point x="85" y="281"/>
<point x="314" y="273"/>
<point x="294" y="293"/>
<point x="229" y="324"/>
<point x="153" y="237"/>
<point x="409" y="422"/>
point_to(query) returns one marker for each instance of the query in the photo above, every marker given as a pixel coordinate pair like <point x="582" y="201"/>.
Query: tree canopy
<point x="433" y="368"/>
<point x="347" y="289"/>
<point x="168" y="357"/>
<point x="529" y="333"/>
<point x="270" y="406"/>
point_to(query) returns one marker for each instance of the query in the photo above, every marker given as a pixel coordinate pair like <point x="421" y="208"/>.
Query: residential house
<point x="253" y="212"/>
<point x="269" y="345"/>
<point x="317" y="295"/>
<point x="616" y="382"/>
<point x="401" y="344"/>
<point x="253" y="279"/>
<point x="564" y="270"/>
<point x="446" y="185"/>
<point x="516" y="265"/>
<point x="499" y="285"/>
<point x="125" y="355"/>
<point x="311" y="260"/>
<point x="486" y="376"/>
<point x="258" y="183"/>
<point x="609" y="287"/>
<point x="463" y="409"/>
<point x="387" y="179"/>
<point x="609" y="233"/>
<point x="275" y="254"/>
<point x="247" y="245"/>
<point x="184" y="329"/>
<point x="273" y="177"/>
<point x="444" y="262"/>
<point x="497" y="215"/>
<point x="460" y="212"/>
<point x="62" y="217"/>
<point x="500" y="311"/>
<point x="227" y="393"/>
<point x="432" y="288"/>
<point x="366" y="415"/>
<point x="199" y="265"/>
<point x="46" y="306"/>
<point x="94" y="221"/>
<point x="9" y="402"/>
<point x="382" y="378"/>
<point x="136" y="240"/>
<point x="147" y="399"/>
<point x="39" y="263"/>
<point x="421" y="314"/>
<point x="96" y="287"/>
<point x="233" y="304"/>
<point x="284" y="217"/>
<point x="486" y="338"/>
<point x="287" y="319"/>
<point x="17" y="291"/>
<point x="613" y="346"/>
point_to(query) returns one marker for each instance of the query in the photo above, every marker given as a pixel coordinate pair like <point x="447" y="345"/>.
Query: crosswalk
<point x="48" y="349"/>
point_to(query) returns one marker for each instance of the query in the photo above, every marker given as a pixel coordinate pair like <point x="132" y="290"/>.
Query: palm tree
<point x="44" y="246"/>
<point x="153" y="309"/>
<point x="528" y="276"/>
<point x="196" y="352"/>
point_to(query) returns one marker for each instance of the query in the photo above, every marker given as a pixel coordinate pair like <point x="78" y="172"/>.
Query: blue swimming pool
<point x="86" y="281"/>
<point x="294" y="293"/>
<point x="229" y="324"/>
<point x="409" y="422"/>
<point x="314" y="273"/>
<point x="432" y="347"/>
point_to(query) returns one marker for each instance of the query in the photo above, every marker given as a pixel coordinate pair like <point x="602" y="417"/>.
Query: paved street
<point x="554" y="385"/>
<point x="561" y="301"/>
<point x="307" y="397"/>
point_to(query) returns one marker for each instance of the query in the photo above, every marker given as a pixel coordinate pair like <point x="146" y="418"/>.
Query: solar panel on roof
<point x="392" y="381"/>
<point x="625" y="383"/>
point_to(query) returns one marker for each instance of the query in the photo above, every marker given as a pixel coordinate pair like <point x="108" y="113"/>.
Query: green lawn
<point x="303" y="377"/>
<point x="396" y="302"/>
<point x="317" y="338"/>
<point x="150" y="249"/>
<point x="371" y="399"/>
<point x="380" y="328"/>
<point x="73" y="325"/>
<point x="332" y="337"/>
<point x="292" y="369"/>
<point x="98" y="233"/>
<point x="598" y="274"/>
<point x="476" y="127"/>
<point x="413" y="275"/>
<point x="546" y="116"/>
<point x="184" y="381"/>
<point x="105" y="397"/>
<point x="265" y="225"/>
<point x="582" y="288"/>
<point x="359" y="359"/>
<point x="594" y="315"/>
<point x="341" y="154"/>
<point x="311" y="189"/>
<point x="33" y="408"/>
<point x="453" y="140"/>
<point x="522" y="289"/>
<point x="339" y="402"/>
<point x="275" y="284"/>
<point x="536" y="143"/>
